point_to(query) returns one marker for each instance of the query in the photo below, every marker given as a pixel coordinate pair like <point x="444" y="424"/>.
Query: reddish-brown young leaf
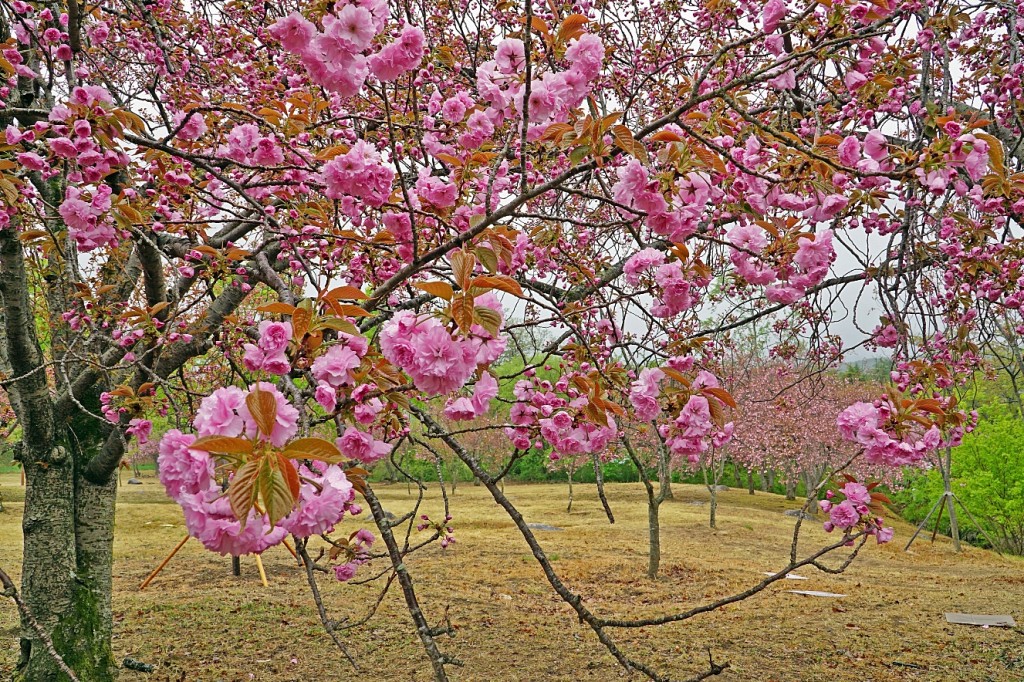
<point x="314" y="448"/>
<point x="277" y="308"/>
<point x="300" y="323"/>
<point x="676" y="375"/>
<point x="243" y="490"/>
<point x="350" y="310"/>
<point x="223" y="445"/>
<point x="499" y="282"/>
<point x="439" y="289"/>
<point x="452" y="161"/>
<point x="263" y="408"/>
<point x="722" y="395"/>
<point x="358" y="481"/>
<point x="462" y="267"/>
<point x="290" y="473"/>
<point x="347" y="293"/>
<point x="462" y="312"/>
<point x="625" y="141"/>
<point x="571" y="27"/>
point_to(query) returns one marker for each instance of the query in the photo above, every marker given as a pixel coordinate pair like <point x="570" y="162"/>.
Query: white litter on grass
<point x="815" y="593"/>
<point x="980" y="619"/>
<point x="789" y="576"/>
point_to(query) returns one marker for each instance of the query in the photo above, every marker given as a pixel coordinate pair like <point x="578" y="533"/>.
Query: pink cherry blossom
<point x="322" y="502"/>
<point x="360" y="445"/>
<point x="219" y="413"/>
<point x="181" y="469"/>
<point x="335" y="367"/>
<point x="774" y="11"/>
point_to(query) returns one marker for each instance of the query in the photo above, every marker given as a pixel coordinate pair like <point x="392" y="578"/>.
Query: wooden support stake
<point x="263" y="574"/>
<point x="288" y="546"/>
<point x="159" y="568"/>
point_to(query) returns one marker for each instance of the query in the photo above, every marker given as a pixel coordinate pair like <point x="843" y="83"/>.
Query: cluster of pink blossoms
<point x="268" y="353"/>
<point x="334" y="372"/>
<point x="437" y="362"/>
<point x="690" y="432"/>
<point x="245" y="144"/>
<point x="864" y="423"/>
<point x="358" y="173"/>
<point x="357" y="553"/>
<point x="854" y="511"/>
<point x="463" y="408"/>
<point x="552" y="95"/>
<point x="691" y="195"/>
<point x="335" y="58"/>
<point x="809" y="266"/>
<point x="676" y="290"/>
<point x="71" y="140"/>
<point x="554" y="411"/>
<point x="189" y="476"/>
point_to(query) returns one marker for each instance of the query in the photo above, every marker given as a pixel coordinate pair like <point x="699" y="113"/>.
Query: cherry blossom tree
<point x="300" y="231"/>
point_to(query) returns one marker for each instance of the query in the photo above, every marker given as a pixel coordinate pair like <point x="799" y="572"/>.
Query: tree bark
<point x="66" y="575"/>
<point x="654" y="536"/>
<point x="713" y="516"/>
<point x="599" y="478"/>
<point x="750" y="481"/>
<point x="568" y="508"/>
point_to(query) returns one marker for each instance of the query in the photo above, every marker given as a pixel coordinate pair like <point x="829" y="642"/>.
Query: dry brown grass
<point x="198" y="620"/>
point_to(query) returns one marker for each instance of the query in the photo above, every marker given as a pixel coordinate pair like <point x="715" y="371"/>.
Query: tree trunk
<point x="790" y="489"/>
<point x="568" y="509"/>
<point x="665" y="478"/>
<point x="750" y="481"/>
<point x="654" y="536"/>
<point x="714" y="507"/>
<point x="599" y="478"/>
<point x="66" y="574"/>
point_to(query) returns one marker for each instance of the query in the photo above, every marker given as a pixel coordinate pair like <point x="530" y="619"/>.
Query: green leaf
<point x="577" y="155"/>
<point x="488" y="319"/>
<point x="338" y="324"/>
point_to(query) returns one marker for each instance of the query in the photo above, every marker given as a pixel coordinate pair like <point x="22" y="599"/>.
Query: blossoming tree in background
<point x="329" y="214"/>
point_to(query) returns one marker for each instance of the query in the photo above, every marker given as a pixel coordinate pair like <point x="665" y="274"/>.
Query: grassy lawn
<point x="198" y="622"/>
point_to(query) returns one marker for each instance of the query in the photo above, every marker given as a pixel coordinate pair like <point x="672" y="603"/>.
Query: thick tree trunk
<point x="750" y="481"/>
<point x="66" y="574"/>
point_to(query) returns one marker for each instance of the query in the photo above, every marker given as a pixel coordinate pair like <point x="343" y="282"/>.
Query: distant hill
<point x="867" y="368"/>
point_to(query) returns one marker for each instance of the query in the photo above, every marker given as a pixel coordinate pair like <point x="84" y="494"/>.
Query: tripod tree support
<point x="950" y="499"/>
<point x="163" y="563"/>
